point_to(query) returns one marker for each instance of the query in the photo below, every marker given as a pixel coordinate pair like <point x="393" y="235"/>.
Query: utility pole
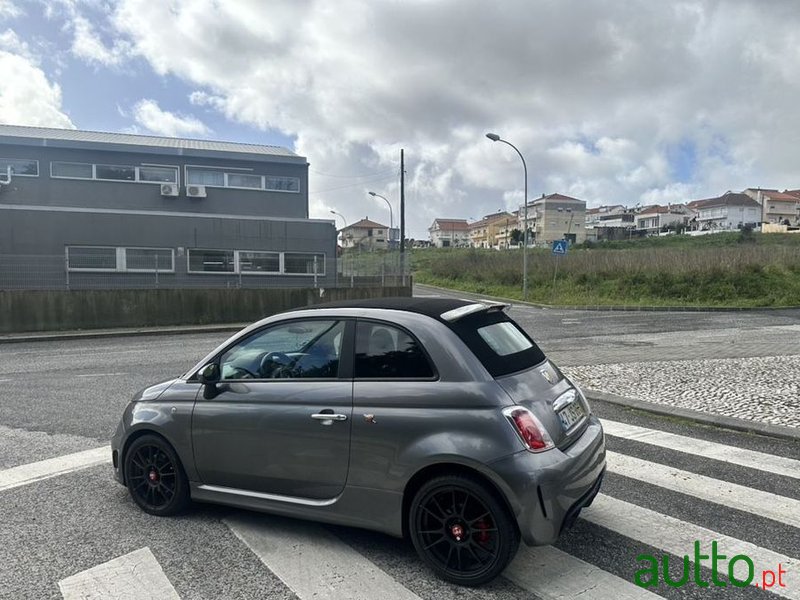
<point x="402" y="216"/>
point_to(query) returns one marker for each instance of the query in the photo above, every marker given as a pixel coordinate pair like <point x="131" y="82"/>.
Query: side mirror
<point x="209" y="374"/>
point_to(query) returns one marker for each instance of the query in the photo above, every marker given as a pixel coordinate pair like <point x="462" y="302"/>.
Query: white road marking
<point x="678" y="537"/>
<point x="555" y="575"/>
<point x="4" y="380"/>
<point x="134" y="576"/>
<point x="101" y="374"/>
<point x="313" y="563"/>
<point x="757" y="502"/>
<point x="768" y="463"/>
<point x="52" y="467"/>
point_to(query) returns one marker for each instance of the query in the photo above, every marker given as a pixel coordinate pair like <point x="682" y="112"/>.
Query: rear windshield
<point x="498" y="342"/>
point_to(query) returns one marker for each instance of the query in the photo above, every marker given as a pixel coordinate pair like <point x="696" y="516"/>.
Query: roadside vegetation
<point x="721" y="270"/>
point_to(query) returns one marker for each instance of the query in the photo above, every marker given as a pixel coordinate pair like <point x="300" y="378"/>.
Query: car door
<point x="278" y="422"/>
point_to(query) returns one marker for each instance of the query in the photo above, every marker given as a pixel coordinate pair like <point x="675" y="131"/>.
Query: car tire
<point x="155" y="477"/>
<point x="462" y="530"/>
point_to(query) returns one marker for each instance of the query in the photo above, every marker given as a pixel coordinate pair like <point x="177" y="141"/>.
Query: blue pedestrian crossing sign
<point x="560" y="247"/>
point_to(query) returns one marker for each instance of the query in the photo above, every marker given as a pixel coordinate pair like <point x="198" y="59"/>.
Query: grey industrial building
<point x="82" y="209"/>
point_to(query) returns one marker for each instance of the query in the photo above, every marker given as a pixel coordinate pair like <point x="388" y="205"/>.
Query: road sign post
<point x="559" y="249"/>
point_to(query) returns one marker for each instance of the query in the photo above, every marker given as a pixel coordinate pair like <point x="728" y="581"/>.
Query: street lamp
<point x="496" y="138"/>
<point x="345" y="224"/>
<point x="391" y="218"/>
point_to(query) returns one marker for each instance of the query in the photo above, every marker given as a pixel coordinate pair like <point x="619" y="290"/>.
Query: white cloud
<point x="27" y="97"/>
<point x="87" y="45"/>
<point x="9" y="10"/>
<point x="600" y="97"/>
<point x="152" y="118"/>
<point x="11" y="42"/>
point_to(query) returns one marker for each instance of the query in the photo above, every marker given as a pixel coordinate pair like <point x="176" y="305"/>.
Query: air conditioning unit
<point x="169" y="189"/>
<point x="196" y="191"/>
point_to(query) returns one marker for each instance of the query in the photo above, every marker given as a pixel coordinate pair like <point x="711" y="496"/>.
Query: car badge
<point x="546" y="374"/>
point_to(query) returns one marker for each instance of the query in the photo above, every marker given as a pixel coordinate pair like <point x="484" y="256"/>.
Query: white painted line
<point x="4" y="380"/>
<point x="313" y="563"/>
<point x="555" y="575"/>
<point x="101" y="374"/>
<point x="134" y="576"/>
<point x="678" y="537"/>
<point x="757" y="502"/>
<point x="769" y="463"/>
<point x="52" y="467"/>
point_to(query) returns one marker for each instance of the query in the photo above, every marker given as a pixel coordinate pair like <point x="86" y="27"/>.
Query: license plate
<point x="571" y="414"/>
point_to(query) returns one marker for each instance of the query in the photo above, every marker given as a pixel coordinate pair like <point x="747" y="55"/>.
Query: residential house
<point x="651" y="220"/>
<point x="84" y="209"/>
<point x="483" y="233"/>
<point x="730" y="211"/>
<point x="446" y="233"/>
<point x="366" y="235"/>
<point x="555" y="217"/>
<point x="504" y="234"/>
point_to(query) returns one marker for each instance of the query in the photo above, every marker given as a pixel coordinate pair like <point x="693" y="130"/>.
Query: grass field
<point x="720" y="270"/>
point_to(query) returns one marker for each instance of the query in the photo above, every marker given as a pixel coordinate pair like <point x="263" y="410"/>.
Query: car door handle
<point x="328" y="417"/>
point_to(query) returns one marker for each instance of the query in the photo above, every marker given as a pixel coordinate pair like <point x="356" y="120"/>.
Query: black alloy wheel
<point x="155" y="477"/>
<point x="462" y="530"/>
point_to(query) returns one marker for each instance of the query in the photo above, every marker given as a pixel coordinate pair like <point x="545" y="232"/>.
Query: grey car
<point x="432" y="418"/>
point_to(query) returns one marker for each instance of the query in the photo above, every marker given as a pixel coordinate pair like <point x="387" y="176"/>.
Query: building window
<point x="220" y="178"/>
<point x="259" y="262"/>
<point x="149" y="259"/>
<point x="211" y="261"/>
<point x="282" y="184"/>
<point x="158" y="174"/>
<point x="18" y="166"/>
<point x="205" y="177"/>
<point x="255" y="262"/>
<point x="148" y="174"/>
<point x="295" y="263"/>
<point x="91" y="258"/>
<point x="116" y="259"/>
<point x="245" y="181"/>
<point x="115" y="173"/>
<point x="72" y="170"/>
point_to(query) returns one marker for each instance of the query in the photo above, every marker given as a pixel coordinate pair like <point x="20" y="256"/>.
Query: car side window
<point x="383" y="351"/>
<point x="294" y="350"/>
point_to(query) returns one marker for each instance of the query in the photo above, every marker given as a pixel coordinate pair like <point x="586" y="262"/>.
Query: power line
<point x="358" y="183"/>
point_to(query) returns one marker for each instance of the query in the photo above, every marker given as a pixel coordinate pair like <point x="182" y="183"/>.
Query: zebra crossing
<point x="598" y="559"/>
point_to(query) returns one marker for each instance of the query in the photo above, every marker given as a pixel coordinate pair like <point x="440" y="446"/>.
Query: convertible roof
<point x="432" y="307"/>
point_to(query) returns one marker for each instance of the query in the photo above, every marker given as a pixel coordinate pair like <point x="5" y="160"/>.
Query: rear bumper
<point x="547" y="491"/>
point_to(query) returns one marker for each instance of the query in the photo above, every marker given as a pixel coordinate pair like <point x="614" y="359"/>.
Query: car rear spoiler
<point x="451" y="316"/>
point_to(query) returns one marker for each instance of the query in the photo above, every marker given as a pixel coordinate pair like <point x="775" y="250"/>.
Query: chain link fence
<point x="82" y="268"/>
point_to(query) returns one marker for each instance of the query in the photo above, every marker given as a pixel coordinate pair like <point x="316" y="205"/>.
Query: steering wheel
<point x="242" y="373"/>
<point x="275" y="365"/>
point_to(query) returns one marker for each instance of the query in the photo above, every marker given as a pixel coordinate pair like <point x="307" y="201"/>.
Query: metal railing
<point x="59" y="272"/>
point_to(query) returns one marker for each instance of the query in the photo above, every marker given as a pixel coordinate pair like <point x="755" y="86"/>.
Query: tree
<point x="516" y="236"/>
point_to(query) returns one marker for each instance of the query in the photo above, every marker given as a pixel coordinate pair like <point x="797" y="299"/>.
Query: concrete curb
<point x="16" y="338"/>
<point x="767" y="429"/>
<point x="610" y="308"/>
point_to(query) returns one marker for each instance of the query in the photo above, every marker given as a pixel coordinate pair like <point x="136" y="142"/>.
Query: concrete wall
<point x="96" y="309"/>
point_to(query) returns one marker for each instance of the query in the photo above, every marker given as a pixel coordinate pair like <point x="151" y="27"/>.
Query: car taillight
<point x="529" y="428"/>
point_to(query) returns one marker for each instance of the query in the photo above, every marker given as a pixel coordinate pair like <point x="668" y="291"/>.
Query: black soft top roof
<point x="432" y="307"/>
<point x="466" y="328"/>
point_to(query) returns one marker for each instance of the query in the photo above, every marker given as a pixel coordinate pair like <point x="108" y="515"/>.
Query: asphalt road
<point x="59" y="398"/>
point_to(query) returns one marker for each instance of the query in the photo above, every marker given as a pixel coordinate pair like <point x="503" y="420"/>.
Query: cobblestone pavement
<point x="743" y="364"/>
<point x="765" y="389"/>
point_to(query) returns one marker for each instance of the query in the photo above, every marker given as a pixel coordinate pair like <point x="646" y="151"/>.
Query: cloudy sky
<point x="611" y="101"/>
